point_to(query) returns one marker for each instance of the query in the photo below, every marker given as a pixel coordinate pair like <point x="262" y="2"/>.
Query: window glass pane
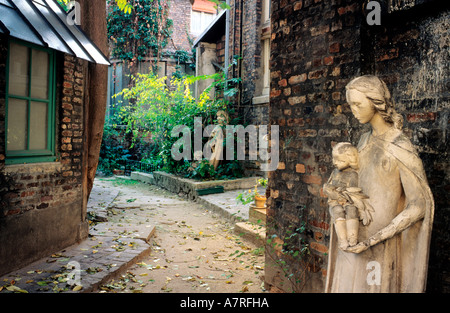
<point x="39" y="74"/>
<point x="196" y="22"/>
<point x="38" y="125"/>
<point x="17" y="124"/>
<point x="18" y="70"/>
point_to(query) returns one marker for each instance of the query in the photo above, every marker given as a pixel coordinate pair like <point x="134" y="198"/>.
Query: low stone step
<point x="124" y="230"/>
<point x="255" y="234"/>
<point x="257" y="215"/>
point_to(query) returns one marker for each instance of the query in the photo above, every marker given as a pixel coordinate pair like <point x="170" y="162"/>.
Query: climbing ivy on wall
<point x="140" y="33"/>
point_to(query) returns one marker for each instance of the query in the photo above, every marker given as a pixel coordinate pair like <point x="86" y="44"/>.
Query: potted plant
<point x="254" y="195"/>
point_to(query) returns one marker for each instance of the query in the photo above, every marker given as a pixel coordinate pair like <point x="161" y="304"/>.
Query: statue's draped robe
<point x="392" y="175"/>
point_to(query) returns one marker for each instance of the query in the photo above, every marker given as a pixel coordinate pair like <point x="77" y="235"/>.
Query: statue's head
<point x="367" y="95"/>
<point x="345" y="155"/>
<point x="222" y="117"/>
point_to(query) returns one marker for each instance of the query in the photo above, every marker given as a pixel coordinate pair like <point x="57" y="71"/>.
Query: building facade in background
<point x="241" y="33"/>
<point x="190" y="18"/>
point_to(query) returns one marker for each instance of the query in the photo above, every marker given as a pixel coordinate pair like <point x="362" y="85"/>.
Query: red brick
<point x="298" y="5"/>
<point x="312" y="179"/>
<point x="322" y="225"/>
<point x="318" y="236"/>
<point x="297" y="100"/>
<point x="66" y="147"/>
<point x="300" y="168"/>
<point x="318" y="247"/>
<point x="66" y="140"/>
<point x="12" y="212"/>
<point x="307" y="133"/>
<point x="328" y="60"/>
<point x="316" y="74"/>
<point x="334" y="48"/>
<point x="67" y="84"/>
<point x="26" y="194"/>
<point x="421" y="117"/>
<point x="282" y="83"/>
<point x="67" y="106"/>
<point x="275" y="93"/>
<point x="336" y="96"/>
<point x="297" y="79"/>
<point x="391" y="54"/>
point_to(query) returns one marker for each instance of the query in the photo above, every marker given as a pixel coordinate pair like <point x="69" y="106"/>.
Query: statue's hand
<point x="358" y="248"/>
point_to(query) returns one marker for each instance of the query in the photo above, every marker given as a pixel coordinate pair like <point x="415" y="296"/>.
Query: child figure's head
<point x="345" y="155"/>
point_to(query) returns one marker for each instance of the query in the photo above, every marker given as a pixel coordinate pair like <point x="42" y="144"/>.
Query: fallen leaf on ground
<point x="77" y="288"/>
<point x="16" y="289"/>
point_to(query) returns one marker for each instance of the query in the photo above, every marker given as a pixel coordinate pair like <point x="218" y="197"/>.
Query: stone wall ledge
<point x="177" y="184"/>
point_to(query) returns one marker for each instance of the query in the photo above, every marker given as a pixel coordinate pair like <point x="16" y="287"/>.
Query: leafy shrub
<point x="156" y="108"/>
<point x="113" y="154"/>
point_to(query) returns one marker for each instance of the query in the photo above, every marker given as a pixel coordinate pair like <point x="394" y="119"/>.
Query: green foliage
<point x="113" y="155"/>
<point x="63" y="4"/>
<point x="203" y="170"/>
<point x="292" y="246"/>
<point x="221" y="4"/>
<point x="157" y="108"/>
<point x="247" y="197"/>
<point x="182" y="57"/>
<point x="7" y="188"/>
<point x="123" y="5"/>
<point x="139" y="33"/>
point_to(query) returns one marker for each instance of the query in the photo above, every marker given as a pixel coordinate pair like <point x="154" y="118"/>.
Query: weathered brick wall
<point x="251" y="49"/>
<point x="317" y="47"/>
<point x="410" y="52"/>
<point x="43" y="212"/>
<point x="220" y="46"/>
<point x="3" y="56"/>
<point x="180" y="13"/>
<point x="314" y="52"/>
<point x="245" y="42"/>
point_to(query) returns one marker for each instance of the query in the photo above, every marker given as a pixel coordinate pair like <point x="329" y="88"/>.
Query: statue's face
<point x="361" y="107"/>
<point x="340" y="161"/>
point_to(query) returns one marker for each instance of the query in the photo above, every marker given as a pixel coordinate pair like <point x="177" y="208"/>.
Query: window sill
<point x="261" y="99"/>
<point x="43" y="167"/>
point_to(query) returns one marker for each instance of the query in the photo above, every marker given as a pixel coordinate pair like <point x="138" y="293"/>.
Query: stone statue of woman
<point x="392" y="250"/>
<point x="216" y="143"/>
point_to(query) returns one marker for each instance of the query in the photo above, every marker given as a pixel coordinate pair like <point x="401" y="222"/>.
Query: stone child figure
<point x="345" y="199"/>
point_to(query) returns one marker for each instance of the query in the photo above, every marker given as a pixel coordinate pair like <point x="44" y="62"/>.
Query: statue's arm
<point x="410" y="215"/>
<point x="329" y="189"/>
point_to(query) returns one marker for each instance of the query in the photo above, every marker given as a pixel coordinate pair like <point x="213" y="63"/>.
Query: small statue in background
<point x="217" y="139"/>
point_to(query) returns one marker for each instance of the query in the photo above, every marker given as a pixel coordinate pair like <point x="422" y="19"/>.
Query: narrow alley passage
<point x="193" y="250"/>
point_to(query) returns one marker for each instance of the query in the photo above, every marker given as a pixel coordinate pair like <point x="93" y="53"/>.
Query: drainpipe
<point x="241" y="41"/>
<point x="227" y="38"/>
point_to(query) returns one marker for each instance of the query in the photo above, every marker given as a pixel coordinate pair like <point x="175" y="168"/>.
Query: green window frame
<point x="30" y="114"/>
